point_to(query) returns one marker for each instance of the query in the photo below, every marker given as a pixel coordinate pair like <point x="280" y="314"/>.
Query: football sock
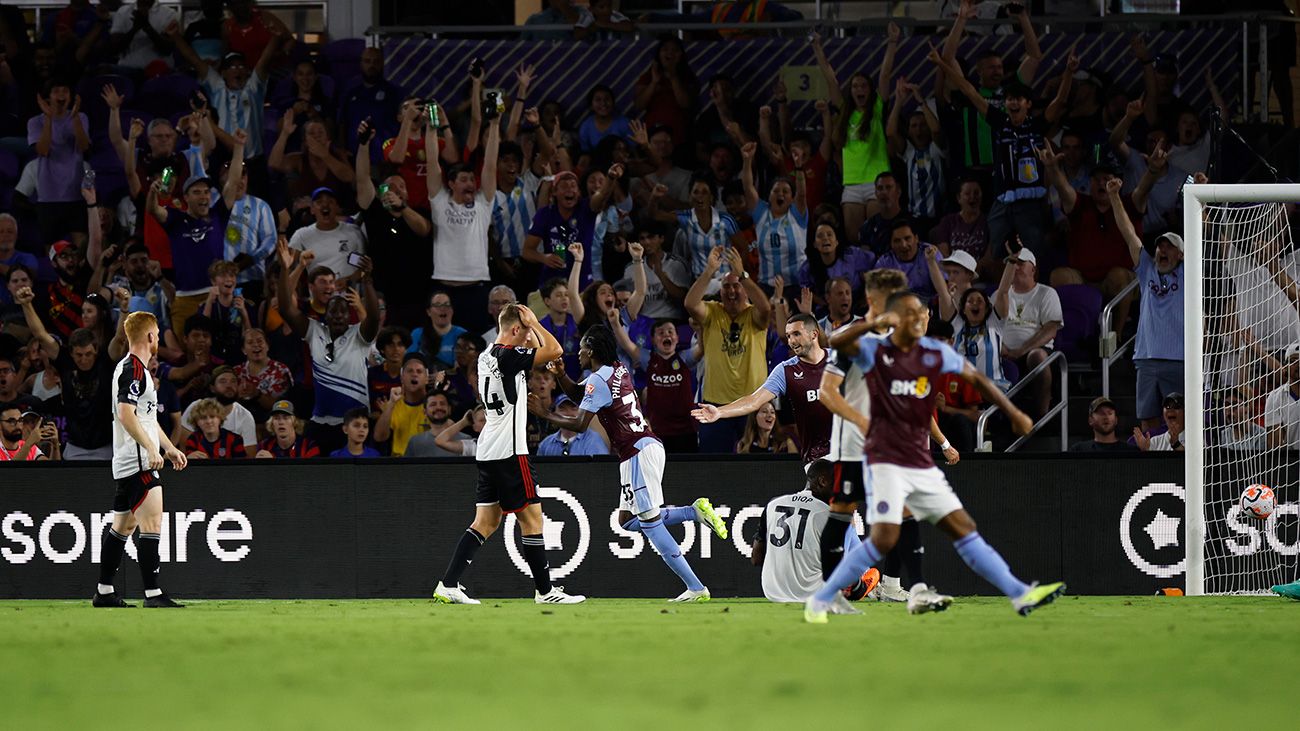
<point x="911" y="551"/>
<point x="671" y="553"/>
<point x="862" y="557"/>
<point x="890" y="565"/>
<point x="110" y="558"/>
<point x="466" y="548"/>
<point x="146" y="549"/>
<point x="535" y="556"/>
<point x="832" y="541"/>
<point x="988" y="563"/>
<point x="670" y="517"/>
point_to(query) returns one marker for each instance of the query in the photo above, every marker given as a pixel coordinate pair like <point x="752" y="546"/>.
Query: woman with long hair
<point x="858" y="135"/>
<point x="603" y="121"/>
<point x="978" y="336"/>
<point x="763" y="435"/>
<point x="828" y="257"/>
<point x="705" y="226"/>
<point x="668" y="90"/>
<point x="98" y="318"/>
<point x="318" y="165"/>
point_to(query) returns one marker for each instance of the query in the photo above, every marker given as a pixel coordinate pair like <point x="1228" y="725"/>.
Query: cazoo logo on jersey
<point x="919" y="388"/>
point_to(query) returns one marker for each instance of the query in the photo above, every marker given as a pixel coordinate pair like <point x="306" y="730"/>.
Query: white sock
<point x="104" y="588"/>
<point x="891" y="581"/>
<point x="151" y="593"/>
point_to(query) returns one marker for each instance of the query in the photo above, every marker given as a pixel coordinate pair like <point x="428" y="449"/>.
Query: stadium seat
<point x="10" y="168"/>
<point x="1080" y="307"/>
<point x="165" y="95"/>
<point x="344" y="59"/>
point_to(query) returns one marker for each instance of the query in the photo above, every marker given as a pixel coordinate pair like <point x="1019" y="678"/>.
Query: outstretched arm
<point x="953" y="74"/>
<point x="1051" y="159"/>
<point x="1020" y="421"/>
<point x="708" y="413"/>
<point x="893" y="33"/>
<point x="1033" y="53"/>
<point x="1122" y="221"/>
<point x="828" y="71"/>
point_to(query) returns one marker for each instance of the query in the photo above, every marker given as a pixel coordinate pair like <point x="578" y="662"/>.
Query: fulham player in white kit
<point x="506" y="481"/>
<point x="139" y="448"/>
<point x="788" y="541"/>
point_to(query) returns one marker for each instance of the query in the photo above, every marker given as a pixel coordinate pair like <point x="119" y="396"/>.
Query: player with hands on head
<point x="506" y="480"/>
<point x="140" y="449"/>
<point x="609" y="394"/>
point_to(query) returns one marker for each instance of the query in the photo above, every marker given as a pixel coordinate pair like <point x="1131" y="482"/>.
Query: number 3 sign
<point x="804" y="83"/>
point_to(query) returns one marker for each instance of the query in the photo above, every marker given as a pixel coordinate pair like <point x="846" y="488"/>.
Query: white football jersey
<point x="846" y="438"/>
<point x="133" y="385"/>
<point x="792" y="528"/>
<point x="503" y="386"/>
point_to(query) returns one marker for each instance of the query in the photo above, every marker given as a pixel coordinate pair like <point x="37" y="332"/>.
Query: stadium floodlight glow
<point x="1238" y="322"/>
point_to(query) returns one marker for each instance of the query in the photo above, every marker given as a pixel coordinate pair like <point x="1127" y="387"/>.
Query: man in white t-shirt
<point x="1282" y="408"/>
<point x="336" y="243"/>
<point x="461" y="212"/>
<point x="139" y="32"/>
<point x="239" y="420"/>
<point x="1032" y="320"/>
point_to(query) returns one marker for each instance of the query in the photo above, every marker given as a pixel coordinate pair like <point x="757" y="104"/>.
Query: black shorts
<point x="510" y="483"/>
<point x="847" y="482"/>
<point x="132" y="490"/>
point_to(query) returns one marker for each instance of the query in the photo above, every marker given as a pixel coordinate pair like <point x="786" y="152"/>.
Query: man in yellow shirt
<point x="403" y="415"/>
<point x="733" y="333"/>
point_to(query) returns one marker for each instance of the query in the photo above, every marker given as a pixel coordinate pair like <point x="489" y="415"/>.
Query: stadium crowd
<point x="327" y="262"/>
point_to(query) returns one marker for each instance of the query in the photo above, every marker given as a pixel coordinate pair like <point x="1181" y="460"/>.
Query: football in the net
<point x="1258" y="501"/>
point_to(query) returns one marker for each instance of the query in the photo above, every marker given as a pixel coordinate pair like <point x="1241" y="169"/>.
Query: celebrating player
<point x="800" y="375"/>
<point x="506" y="483"/>
<point x="608" y="393"/>
<point x="901" y="371"/>
<point x="844" y="393"/>
<point x="139" y="447"/>
<point x="792" y="525"/>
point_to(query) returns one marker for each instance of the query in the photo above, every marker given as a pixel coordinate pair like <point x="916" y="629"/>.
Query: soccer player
<point x="608" y="393"/>
<point x="506" y="483"/>
<point x="901" y="371"/>
<point x="139" y="447"/>
<point x="792" y="525"/>
<point x="800" y="376"/>
<point x="844" y="393"/>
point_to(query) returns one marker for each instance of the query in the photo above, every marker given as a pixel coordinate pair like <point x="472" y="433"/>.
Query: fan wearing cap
<point x="286" y="440"/>
<point x="334" y="242"/>
<point x="1103" y="419"/>
<point x="1282" y="408"/>
<point x="197" y="236"/>
<point x="1158" y="353"/>
<point x="950" y="276"/>
<point x="566" y="442"/>
<point x="1175" y="433"/>
<point x="1020" y="190"/>
<point x="67" y="294"/>
<point x="238" y="95"/>
<point x="1031" y="318"/>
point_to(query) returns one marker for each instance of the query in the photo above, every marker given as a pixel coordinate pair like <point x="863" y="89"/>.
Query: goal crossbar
<point x="1195" y="198"/>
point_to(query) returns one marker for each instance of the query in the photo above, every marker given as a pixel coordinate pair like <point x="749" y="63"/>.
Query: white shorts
<point x="924" y="490"/>
<point x="860" y="193"/>
<point x="641" y="480"/>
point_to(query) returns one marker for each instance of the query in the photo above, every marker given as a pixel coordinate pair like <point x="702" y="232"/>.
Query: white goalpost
<point x="1242" y="315"/>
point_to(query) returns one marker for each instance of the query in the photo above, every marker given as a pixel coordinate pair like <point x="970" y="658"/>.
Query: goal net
<point x="1243" y="375"/>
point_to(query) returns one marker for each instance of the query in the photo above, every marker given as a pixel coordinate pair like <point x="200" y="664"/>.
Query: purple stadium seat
<point x="164" y="96"/>
<point x="344" y="59"/>
<point x="1080" y="307"/>
<point x="10" y="168"/>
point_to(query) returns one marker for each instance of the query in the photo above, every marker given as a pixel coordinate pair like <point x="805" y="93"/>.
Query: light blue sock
<point x="988" y="563"/>
<point x="862" y="557"/>
<point x="671" y="552"/>
<point x="670" y="517"/>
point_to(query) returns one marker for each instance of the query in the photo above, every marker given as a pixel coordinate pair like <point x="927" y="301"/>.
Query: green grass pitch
<point x="1085" y="662"/>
